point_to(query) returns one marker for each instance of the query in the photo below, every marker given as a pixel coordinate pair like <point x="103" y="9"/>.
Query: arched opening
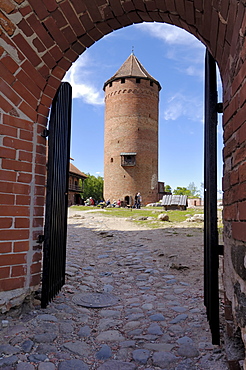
<point x="40" y="43"/>
<point x="172" y="114"/>
<point x="177" y="60"/>
<point x="127" y="200"/>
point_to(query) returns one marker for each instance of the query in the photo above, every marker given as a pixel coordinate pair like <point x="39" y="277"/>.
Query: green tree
<point x="93" y="187"/>
<point x="190" y="191"/>
<point x="202" y="190"/>
<point x="181" y="191"/>
<point x="168" y="189"/>
<point x="194" y="192"/>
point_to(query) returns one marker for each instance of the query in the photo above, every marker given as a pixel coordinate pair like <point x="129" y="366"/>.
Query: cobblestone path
<point x="156" y="319"/>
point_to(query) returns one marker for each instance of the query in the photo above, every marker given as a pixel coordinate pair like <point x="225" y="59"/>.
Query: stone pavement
<point x="157" y="320"/>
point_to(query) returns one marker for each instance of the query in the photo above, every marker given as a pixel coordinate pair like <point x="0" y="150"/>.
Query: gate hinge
<point x="219" y="107"/>
<point x="45" y="133"/>
<point x="40" y="239"/>
<point x="221" y="250"/>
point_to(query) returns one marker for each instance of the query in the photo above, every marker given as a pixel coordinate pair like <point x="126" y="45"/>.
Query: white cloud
<point x="170" y="34"/>
<point x="180" y="46"/>
<point x="182" y="105"/>
<point x="80" y="76"/>
<point x="174" y="109"/>
<point x="193" y="71"/>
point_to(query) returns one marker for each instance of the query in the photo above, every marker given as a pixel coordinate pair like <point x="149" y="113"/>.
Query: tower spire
<point x="132" y="68"/>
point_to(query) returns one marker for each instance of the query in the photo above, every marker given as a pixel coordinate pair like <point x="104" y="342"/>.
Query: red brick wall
<point x="131" y="126"/>
<point x="21" y="208"/>
<point x="40" y="40"/>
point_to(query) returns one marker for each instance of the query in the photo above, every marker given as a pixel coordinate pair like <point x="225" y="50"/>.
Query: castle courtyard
<point x="151" y="317"/>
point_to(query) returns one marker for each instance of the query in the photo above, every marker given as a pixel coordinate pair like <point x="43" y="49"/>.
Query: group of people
<point x="119" y="203"/>
<point x="90" y="202"/>
<point x="116" y="203"/>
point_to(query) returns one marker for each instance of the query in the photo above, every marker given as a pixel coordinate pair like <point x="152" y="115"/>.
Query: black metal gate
<point x="211" y="247"/>
<point x="55" y="230"/>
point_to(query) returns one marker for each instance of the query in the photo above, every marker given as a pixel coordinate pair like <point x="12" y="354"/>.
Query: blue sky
<point x="176" y="59"/>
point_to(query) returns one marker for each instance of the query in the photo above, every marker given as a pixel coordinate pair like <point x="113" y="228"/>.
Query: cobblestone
<point x="158" y="321"/>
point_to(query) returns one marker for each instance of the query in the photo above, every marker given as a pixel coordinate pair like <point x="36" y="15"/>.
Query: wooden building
<point x="75" y="187"/>
<point x="174" y="202"/>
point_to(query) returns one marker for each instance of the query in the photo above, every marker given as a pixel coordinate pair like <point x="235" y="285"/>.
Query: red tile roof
<point x="76" y="171"/>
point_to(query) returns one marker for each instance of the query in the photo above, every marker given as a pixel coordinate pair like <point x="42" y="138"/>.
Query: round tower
<point x="131" y="134"/>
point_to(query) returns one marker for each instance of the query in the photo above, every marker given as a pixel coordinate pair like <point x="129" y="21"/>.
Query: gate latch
<point x="221" y="250"/>
<point x="40" y="239"/>
<point x="45" y="133"/>
<point x="219" y="107"/>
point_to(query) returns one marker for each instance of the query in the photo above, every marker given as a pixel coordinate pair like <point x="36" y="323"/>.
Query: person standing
<point x="139" y="200"/>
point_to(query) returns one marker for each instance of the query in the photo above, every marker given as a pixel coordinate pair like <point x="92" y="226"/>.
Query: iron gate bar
<point x="55" y="230"/>
<point x="211" y="248"/>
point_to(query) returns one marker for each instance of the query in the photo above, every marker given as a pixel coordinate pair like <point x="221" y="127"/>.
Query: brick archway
<point x="39" y="42"/>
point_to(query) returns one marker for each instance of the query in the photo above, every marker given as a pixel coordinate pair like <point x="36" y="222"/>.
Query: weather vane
<point x="132" y="50"/>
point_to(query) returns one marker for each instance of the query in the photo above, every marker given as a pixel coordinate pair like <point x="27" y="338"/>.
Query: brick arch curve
<point x="213" y="25"/>
<point x="39" y="42"/>
<point x="48" y="37"/>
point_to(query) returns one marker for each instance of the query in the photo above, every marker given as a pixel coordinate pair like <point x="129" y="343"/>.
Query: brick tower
<point x="131" y="134"/>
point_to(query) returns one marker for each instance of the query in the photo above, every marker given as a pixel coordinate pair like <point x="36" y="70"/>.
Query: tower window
<point x="123" y="80"/>
<point x="111" y="160"/>
<point x="128" y="159"/>
<point x="151" y="83"/>
<point x="110" y="84"/>
<point x="138" y="80"/>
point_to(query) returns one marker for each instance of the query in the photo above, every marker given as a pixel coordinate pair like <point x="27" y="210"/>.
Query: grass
<point x="174" y="216"/>
<point x="83" y="208"/>
<point x="153" y="212"/>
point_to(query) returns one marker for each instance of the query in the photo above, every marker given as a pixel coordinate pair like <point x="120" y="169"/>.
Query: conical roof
<point x="132" y="68"/>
